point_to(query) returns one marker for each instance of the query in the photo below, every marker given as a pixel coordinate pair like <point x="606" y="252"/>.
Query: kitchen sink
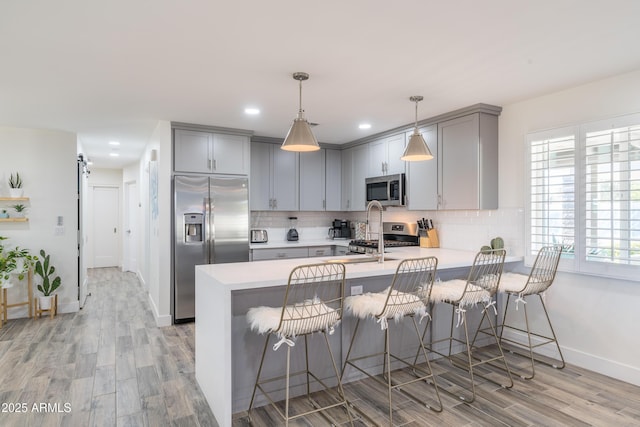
<point x="357" y="260"/>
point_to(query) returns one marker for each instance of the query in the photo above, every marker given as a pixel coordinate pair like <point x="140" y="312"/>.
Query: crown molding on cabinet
<point x="476" y="108"/>
<point x="213" y="129"/>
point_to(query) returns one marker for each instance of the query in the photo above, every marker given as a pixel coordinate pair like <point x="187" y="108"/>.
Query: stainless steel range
<point x="395" y="234"/>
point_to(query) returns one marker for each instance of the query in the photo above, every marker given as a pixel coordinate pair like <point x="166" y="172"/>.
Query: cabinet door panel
<point x="230" y="154"/>
<point x="422" y="177"/>
<point x="360" y="167"/>
<point x="333" y="180"/>
<point x="312" y="180"/>
<point x="347" y="179"/>
<point x="378" y="158"/>
<point x="192" y="151"/>
<point x="395" y="149"/>
<point x="459" y="139"/>
<point x="285" y="179"/>
<point x="260" y="178"/>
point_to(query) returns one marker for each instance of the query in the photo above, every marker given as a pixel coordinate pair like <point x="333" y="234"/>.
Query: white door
<point x="131" y="211"/>
<point x="106" y="208"/>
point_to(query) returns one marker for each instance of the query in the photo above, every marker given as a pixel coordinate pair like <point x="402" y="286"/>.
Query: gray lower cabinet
<point x="274" y="178"/>
<point x="468" y="162"/>
<point x="210" y="152"/>
<point x="279" y="253"/>
<point x="298" y="252"/>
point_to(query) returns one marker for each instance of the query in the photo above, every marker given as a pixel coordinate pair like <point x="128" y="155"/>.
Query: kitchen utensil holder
<point x="430" y="240"/>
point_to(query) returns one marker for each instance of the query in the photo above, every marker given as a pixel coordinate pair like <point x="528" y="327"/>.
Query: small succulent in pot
<point x="15" y="182"/>
<point x="15" y="185"/>
<point x="4" y="214"/>
<point x="20" y="210"/>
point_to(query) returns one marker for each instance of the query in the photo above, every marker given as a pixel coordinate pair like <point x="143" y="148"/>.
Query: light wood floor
<point x="115" y="367"/>
<point x="108" y="361"/>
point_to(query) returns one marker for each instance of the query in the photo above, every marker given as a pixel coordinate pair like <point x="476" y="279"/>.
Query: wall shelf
<point x="14" y="219"/>
<point x="14" y="199"/>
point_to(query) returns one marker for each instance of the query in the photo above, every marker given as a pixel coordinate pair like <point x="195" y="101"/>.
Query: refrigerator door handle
<point x="208" y="232"/>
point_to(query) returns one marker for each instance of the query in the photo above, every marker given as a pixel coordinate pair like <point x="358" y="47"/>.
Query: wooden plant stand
<point x="52" y="311"/>
<point x="28" y="302"/>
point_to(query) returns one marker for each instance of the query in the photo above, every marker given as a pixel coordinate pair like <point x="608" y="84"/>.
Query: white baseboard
<point x="141" y="279"/>
<point x="161" y="320"/>
<point x="70" y="307"/>
<point x="601" y="365"/>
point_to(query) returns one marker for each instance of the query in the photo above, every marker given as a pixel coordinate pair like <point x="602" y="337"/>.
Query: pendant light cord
<point x="300" y="109"/>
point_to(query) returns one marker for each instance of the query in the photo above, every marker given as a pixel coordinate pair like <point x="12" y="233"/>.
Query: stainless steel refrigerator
<point x="211" y="226"/>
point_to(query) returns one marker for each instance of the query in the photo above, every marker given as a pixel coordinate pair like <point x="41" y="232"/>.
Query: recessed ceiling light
<point x="364" y="126"/>
<point x="114" y="154"/>
<point x="252" y="111"/>
<point x="114" y="143"/>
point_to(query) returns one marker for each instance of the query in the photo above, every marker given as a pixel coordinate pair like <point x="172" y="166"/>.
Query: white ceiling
<point x="109" y="70"/>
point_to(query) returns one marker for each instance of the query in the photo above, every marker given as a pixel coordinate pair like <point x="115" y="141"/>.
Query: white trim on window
<point x="583" y="191"/>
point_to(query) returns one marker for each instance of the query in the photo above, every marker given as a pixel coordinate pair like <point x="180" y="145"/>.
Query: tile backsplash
<point x="464" y="230"/>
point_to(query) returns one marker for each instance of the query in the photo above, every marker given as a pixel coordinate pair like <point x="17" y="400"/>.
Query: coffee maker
<point x="340" y="229"/>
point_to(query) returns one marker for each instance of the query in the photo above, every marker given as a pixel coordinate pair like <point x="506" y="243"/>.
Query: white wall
<point x="46" y="161"/>
<point x="156" y="230"/>
<point x="595" y="318"/>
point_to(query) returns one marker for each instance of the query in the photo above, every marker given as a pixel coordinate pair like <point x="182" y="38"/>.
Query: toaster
<point x="259" y="236"/>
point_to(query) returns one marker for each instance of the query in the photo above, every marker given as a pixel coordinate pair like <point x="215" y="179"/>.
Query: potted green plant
<point x="4" y="214"/>
<point x="49" y="284"/>
<point x="20" y="210"/>
<point x="15" y="185"/>
<point x="13" y="262"/>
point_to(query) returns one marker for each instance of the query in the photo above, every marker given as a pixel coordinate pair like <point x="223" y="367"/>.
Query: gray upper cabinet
<point x="207" y="152"/>
<point x="274" y="178"/>
<point x="422" y="177"/>
<point x="321" y="180"/>
<point x="312" y="181"/>
<point x="347" y="179"/>
<point x="468" y="162"/>
<point x="385" y="155"/>
<point x="359" y="172"/>
<point x="333" y="180"/>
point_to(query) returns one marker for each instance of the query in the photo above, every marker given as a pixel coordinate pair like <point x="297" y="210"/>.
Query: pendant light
<point x="417" y="148"/>
<point x="300" y="137"/>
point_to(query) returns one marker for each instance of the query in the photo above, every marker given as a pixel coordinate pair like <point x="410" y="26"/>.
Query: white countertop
<point x="262" y="274"/>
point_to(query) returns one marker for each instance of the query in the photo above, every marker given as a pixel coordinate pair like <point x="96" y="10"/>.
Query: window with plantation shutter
<point x="584" y="193"/>
<point x="612" y="195"/>
<point x="552" y="192"/>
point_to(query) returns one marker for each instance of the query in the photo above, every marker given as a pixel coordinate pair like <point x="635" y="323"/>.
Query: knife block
<point x="430" y="240"/>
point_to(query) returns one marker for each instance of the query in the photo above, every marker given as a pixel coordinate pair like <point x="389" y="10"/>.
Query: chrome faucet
<point x="376" y="204"/>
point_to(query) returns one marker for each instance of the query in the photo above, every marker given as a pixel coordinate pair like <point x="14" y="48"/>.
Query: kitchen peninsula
<point x="227" y="352"/>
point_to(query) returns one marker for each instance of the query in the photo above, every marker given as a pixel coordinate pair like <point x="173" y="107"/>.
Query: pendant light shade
<point x="300" y="137"/>
<point x="417" y="148"/>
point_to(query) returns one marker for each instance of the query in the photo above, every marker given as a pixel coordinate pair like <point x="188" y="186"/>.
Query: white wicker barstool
<point x="406" y="297"/>
<point x="312" y="303"/>
<point x="476" y="292"/>
<point x="520" y="286"/>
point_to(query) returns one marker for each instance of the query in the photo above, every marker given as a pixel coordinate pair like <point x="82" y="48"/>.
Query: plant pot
<point x="45" y="302"/>
<point x="4" y="215"/>
<point x="17" y="214"/>
<point x="15" y="192"/>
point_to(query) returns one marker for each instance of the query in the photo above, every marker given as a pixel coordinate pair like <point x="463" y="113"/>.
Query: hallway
<point x="107" y="365"/>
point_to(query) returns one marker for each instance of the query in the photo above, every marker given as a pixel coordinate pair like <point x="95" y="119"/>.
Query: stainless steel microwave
<point x="389" y="190"/>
